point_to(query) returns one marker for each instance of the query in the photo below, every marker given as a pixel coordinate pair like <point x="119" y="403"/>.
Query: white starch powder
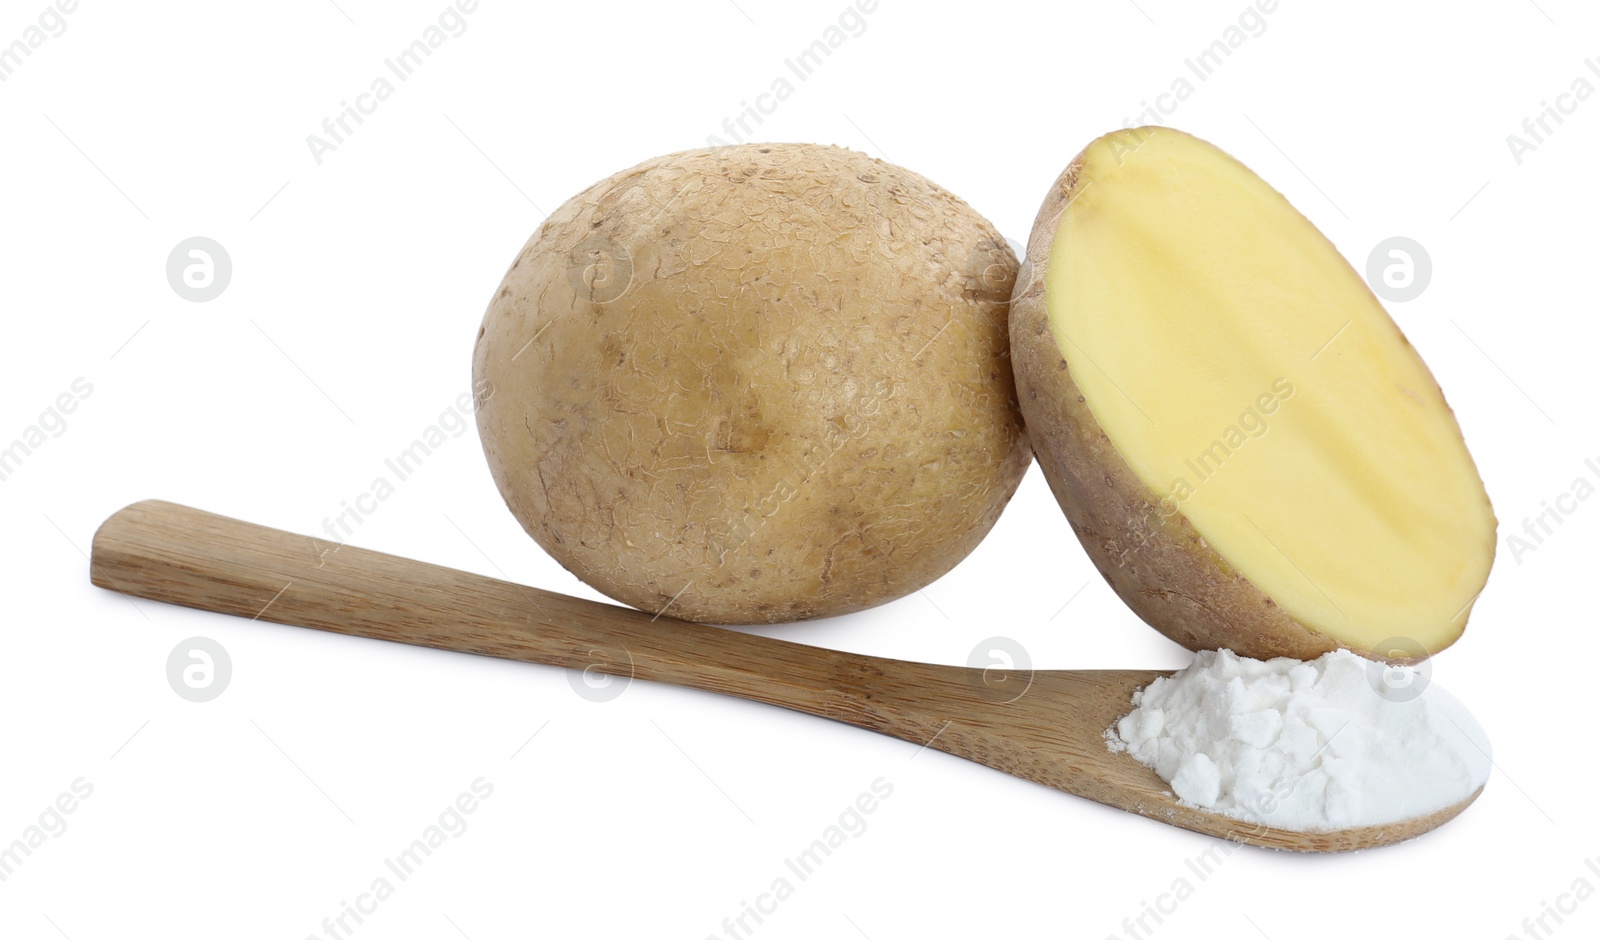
<point x="1337" y="742"/>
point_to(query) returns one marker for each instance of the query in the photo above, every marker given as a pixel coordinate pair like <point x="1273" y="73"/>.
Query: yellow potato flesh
<point x="1250" y="379"/>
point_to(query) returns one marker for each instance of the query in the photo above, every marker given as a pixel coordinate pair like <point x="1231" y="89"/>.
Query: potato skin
<point x="1153" y="558"/>
<point x="755" y="384"/>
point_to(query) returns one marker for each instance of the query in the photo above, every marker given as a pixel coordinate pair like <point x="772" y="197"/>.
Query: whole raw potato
<point x="755" y="384"/>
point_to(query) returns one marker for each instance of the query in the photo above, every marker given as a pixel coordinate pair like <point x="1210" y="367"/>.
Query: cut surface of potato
<point x="1272" y="423"/>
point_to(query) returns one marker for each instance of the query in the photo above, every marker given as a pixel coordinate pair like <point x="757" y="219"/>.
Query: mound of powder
<point x="1338" y="742"/>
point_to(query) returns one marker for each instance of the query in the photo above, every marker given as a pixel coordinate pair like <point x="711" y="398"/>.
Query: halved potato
<point x="1245" y="443"/>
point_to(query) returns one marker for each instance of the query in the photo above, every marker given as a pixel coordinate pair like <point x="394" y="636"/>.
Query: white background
<point x="347" y="328"/>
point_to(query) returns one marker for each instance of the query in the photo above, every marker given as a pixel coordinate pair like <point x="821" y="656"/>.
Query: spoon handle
<point x="166" y="552"/>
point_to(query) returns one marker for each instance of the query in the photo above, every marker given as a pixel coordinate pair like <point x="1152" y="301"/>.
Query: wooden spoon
<point x="1045" y="726"/>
